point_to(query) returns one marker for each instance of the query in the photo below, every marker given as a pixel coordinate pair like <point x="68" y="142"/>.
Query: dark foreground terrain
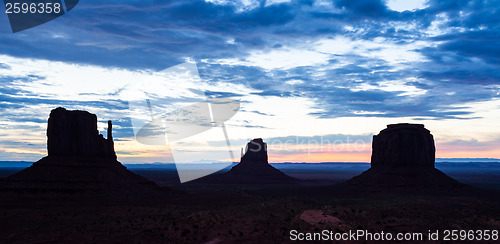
<point x="204" y="213"/>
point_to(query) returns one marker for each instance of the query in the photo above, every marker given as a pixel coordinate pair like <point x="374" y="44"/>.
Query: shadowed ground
<point x="250" y="213"/>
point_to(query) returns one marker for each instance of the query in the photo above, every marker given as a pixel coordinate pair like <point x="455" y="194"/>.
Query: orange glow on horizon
<point x="469" y="154"/>
<point x="445" y="152"/>
<point x="42" y="152"/>
<point x="320" y="157"/>
<point x="467" y="151"/>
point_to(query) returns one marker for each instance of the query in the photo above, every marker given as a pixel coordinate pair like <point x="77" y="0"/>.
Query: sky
<point x="316" y="79"/>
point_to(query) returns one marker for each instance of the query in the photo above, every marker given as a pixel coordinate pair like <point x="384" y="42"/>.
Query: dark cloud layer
<point x="461" y="61"/>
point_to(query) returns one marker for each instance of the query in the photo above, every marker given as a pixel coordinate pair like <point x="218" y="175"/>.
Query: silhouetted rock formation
<point x="403" y="155"/>
<point x="80" y="161"/>
<point x="254" y="161"/>
<point x="253" y="168"/>
<point x="403" y="146"/>
<point x="74" y="133"/>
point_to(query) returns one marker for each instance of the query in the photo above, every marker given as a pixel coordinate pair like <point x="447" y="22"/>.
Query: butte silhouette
<point x="253" y="168"/>
<point x="403" y="155"/>
<point x="80" y="161"/>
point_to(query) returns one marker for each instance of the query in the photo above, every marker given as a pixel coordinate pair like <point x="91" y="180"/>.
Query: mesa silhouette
<point x="79" y="161"/>
<point x="253" y="168"/>
<point x="403" y="155"/>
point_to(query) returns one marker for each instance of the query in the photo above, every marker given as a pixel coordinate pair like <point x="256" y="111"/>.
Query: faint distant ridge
<point x="403" y="155"/>
<point x="253" y="168"/>
<point x="15" y="164"/>
<point x="80" y="161"/>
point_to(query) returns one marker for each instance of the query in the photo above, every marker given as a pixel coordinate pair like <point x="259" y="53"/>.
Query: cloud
<point x="406" y="5"/>
<point x="325" y="139"/>
<point x="364" y="8"/>
<point x="4" y="66"/>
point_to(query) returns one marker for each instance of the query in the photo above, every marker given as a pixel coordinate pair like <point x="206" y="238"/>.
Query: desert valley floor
<point x="215" y="213"/>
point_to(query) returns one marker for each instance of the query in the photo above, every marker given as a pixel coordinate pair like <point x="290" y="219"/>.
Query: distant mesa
<point x="253" y="168"/>
<point x="403" y="155"/>
<point x="79" y="161"/>
<point x="255" y="163"/>
<point x="403" y="146"/>
<point x="74" y="133"/>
